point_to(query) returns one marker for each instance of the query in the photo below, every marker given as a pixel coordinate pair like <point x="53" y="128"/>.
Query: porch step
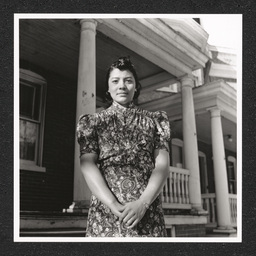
<point x="52" y="223"/>
<point x="67" y="232"/>
<point x="58" y="224"/>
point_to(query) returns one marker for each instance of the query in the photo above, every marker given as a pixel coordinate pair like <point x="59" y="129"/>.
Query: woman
<point x="124" y="160"/>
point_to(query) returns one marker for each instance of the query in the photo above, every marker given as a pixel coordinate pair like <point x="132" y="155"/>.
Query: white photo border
<point x="16" y="172"/>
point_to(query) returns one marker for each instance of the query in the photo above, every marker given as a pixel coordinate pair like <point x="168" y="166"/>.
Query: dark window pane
<point x="231" y="170"/>
<point x="27" y="98"/>
<point x="30" y="101"/>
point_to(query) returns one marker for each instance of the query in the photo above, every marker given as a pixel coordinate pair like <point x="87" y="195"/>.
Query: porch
<point x="179" y="214"/>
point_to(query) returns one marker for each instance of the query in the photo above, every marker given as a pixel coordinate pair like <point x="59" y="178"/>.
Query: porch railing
<point x="209" y="204"/>
<point x="233" y="209"/>
<point x="175" y="192"/>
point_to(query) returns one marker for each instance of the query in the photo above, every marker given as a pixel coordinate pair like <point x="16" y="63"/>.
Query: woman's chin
<point x="123" y="101"/>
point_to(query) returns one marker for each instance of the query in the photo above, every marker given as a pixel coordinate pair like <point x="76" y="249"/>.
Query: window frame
<point x="206" y="184"/>
<point x="28" y="77"/>
<point x="179" y="143"/>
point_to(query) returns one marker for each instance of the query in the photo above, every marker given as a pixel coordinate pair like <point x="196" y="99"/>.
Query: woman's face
<point x="121" y="86"/>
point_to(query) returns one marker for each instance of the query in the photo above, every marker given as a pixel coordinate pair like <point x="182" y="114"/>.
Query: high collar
<point x="121" y="107"/>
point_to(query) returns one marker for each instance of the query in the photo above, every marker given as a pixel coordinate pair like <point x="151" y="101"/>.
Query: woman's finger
<point x="133" y="224"/>
<point x="129" y="216"/>
<point x="123" y="214"/>
<point x="131" y="220"/>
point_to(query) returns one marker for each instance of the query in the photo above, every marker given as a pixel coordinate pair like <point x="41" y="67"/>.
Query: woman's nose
<point x="122" y="84"/>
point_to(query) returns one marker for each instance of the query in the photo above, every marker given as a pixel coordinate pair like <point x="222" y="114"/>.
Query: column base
<point x="81" y="206"/>
<point x="198" y="211"/>
<point x="225" y="231"/>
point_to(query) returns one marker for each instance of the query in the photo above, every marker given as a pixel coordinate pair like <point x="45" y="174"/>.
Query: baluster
<point x="175" y="188"/>
<point x="183" y="199"/>
<point x="186" y="187"/>
<point x="213" y="210"/>
<point x="235" y="205"/>
<point x="163" y="194"/>
<point x="170" y="187"/>
<point x="207" y="203"/>
<point x="231" y="209"/>
<point x="178" y="188"/>
<point x="167" y="191"/>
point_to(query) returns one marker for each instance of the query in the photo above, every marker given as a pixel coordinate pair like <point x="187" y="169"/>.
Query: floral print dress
<point x="124" y="140"/>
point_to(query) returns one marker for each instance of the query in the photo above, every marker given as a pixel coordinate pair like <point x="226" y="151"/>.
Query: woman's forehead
<point x="120" y="73"/>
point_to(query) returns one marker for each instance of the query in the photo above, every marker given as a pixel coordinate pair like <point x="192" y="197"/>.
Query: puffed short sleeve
<point x="162" y="132"/>
<point x="87" y="134"/>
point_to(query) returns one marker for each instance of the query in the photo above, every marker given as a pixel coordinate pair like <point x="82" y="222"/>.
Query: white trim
<point x="223" y="70"/>
<point x="222" y="49"/>
<point x="191" y="29"/>
<point x="31" y="167"/>
<point x="177" y="142"/>
<point x="31" y="76"/>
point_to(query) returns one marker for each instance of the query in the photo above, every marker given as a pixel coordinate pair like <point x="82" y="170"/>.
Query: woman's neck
<point x="123" y="105"/>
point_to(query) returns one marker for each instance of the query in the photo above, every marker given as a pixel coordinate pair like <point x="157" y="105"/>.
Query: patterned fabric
<point x="125" y="140"/>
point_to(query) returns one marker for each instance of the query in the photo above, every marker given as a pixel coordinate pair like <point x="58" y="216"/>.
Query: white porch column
<point x="190" y="141"/>
<point x="86" y="99"/>
<point x="220" y="173"/>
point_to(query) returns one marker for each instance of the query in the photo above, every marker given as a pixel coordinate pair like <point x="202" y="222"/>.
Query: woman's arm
<point x="97" y="184"/>
<point x="134" y="211"/>
<point x="157" y="178"/>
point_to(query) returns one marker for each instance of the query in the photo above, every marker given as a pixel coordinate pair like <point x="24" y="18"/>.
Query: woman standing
<point x="124" y="160"/>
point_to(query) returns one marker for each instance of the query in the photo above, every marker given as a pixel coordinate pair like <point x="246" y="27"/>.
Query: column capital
<point x="88" y="24"/>
<point x="215" y="111"/>
<point x="187" y="80"/>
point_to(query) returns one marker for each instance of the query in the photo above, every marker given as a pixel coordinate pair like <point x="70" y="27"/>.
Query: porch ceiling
<point x="54" y="45"/>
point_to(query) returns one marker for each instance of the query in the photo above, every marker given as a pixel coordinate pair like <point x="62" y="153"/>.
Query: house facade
<point x="63" y="63"/>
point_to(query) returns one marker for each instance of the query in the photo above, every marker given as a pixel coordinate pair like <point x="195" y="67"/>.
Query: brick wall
<point x="53" y="190"/>
<point x="190" y="230"/>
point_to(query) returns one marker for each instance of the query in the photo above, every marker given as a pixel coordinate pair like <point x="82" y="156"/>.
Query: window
<point x="32" y="106"/>
<point x="231" y="173"/>
<point x="177" y="153"/>
<point x="203" y="172"/>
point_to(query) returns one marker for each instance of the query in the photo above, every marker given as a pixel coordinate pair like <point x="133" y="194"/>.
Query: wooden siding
<point x="53" y="190"/>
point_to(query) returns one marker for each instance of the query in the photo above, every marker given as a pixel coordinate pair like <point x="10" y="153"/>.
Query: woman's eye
<point x="114" y="81"/>
<point x="129" y="81"/>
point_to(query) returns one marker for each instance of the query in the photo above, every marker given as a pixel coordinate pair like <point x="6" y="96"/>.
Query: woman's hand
<point x="132" y="213"/>
<point x="116" y="208"/>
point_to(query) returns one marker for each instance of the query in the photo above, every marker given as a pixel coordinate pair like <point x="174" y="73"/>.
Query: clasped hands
<point x="130" y="213"/>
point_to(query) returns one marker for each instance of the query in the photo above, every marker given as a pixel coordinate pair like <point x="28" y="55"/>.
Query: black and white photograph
<point x="128" y="128"/>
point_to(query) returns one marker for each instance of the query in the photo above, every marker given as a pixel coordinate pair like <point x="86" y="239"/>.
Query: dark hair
<point x="123" y="63"/>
